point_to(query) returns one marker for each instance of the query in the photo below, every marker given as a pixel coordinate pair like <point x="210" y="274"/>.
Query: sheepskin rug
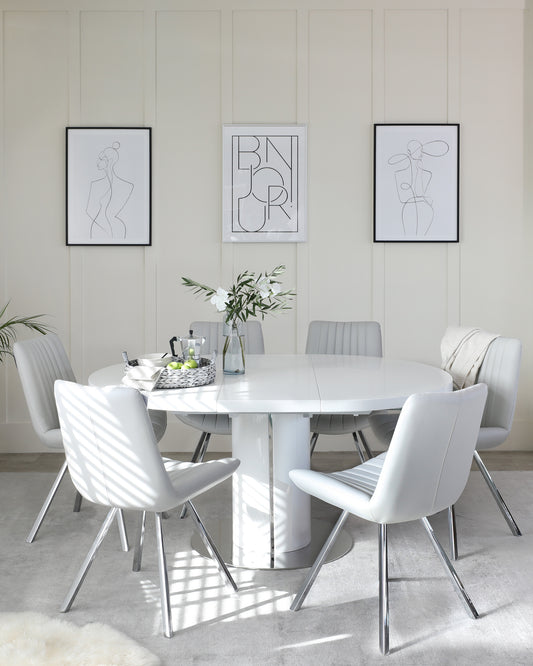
<point x="33" y="639"/>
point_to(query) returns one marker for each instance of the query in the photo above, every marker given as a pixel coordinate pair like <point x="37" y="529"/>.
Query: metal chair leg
<point x="452" y="531"/>
<point x="315" y="569"/>
<point x="362" y="439"/>
<point x="77" y="502"/>
<point x="163" y="578"/>
<point x="496" y="494"/>
<point x="456" y="582"/>
<point x="312" y="443"/>
<point x="44" y="509"/>
<point x="138" y="551"/>
<point x="358" y="447"/>
<point x="122" y="531"/>
<point x="80" y="577"/>
<point x="209" y="544"/>
<point x="198" y="456"/>
<point x="383" y="590"/>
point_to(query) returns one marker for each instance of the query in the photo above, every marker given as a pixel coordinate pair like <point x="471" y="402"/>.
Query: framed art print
<point x="264" y="183"/>
<point x="416" y="183"/>
<point x="108" y="185"/>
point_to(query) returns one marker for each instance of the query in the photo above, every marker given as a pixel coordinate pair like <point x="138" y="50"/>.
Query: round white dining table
<point x="270" y="407"/>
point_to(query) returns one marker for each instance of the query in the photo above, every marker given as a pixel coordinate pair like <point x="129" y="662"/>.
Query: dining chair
<point x="423" y="472"/>
<point x="114" y="461"/>
<point x="500" y="372"/>
<point x="361" y="338"/>
<point x="218" y="424"/>
<point x="40" y="362"/>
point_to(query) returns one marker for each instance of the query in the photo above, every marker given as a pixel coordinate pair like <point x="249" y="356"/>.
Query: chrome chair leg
<point x="315" y="569"/>
<point x="358" y="447"/>
<point x="80" y="577"/>
<point x="163" y="578"/>
<point x="122" y="531"/>
<point x="209" y="544"/>
<point x="138" y="551"/>
<point x="362" y="439"/>
<point x="452" y="531"/>
<point x="77" y="502"/>
<point x="198" y="456"/>
<point x="383" y="590"/>
<point x="456" y="582"/>
<point x="312" y="443"/>
<point x="496" y="494"/>
<point x="44" y="509"/>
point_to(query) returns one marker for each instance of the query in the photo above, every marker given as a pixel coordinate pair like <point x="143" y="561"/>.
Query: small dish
<point x="154" y="360"/>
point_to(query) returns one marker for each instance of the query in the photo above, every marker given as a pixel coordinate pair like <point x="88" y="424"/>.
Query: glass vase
<point x="233" y="352"/>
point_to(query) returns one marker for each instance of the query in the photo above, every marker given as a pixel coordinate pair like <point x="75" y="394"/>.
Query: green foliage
<point x="249" y="296"/>
<point x="8" y="329"/>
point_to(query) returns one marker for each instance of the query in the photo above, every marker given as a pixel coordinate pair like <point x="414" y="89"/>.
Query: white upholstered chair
<point x="499" y="371"/>
<point x="218" y="424"/>
<point x="114" y="461"/>
<point x="343" y="337"/>
<point x="424" y="471"/>
<point x="40" y="361"/>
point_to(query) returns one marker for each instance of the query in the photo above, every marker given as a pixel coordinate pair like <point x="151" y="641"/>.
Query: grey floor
<point x="337" y="625"/>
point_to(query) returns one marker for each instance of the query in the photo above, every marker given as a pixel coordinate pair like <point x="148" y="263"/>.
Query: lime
<point x="174" y="365"/>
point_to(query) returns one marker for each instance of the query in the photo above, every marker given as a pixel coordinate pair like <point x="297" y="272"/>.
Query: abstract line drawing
<point x="264" y="183"/>
<point x="416" y="183"/>
<point x="108" y="196"/>
<point x="413" y="184"/>
<point x="108" y="186"/>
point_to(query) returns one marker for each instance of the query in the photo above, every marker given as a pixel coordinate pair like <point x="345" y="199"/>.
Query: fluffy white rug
<point x="33" y="639"/>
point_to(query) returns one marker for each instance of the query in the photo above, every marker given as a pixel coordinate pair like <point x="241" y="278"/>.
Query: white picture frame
<point x="264" y="174"/>
<point x="416" y="183"/>
<point x="108" y="186"/>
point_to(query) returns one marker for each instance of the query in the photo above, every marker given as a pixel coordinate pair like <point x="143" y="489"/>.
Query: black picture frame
<point x="108" y="186"/>
<point x="416" y="183"/>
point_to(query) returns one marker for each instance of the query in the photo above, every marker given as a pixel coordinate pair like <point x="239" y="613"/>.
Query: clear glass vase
<point x="233" y="352"/>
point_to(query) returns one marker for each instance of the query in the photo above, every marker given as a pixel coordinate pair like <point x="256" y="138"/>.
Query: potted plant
<point x="9" y="327"/>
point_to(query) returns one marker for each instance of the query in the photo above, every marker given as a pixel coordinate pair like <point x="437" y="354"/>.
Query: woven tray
<point x="200" y="376"/>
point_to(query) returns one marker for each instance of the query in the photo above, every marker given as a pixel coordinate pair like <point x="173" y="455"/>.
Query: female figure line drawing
<point x="108" y="196"/>
<point x="413" y="182"/>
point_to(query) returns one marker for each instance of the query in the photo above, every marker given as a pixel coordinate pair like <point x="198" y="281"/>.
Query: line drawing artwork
<point x="416" y="183"/>
<point x="413" y="180"/>
<point x="264" y="183"/>
<point x="108" y="196"/>
<point x="108" y="186"/>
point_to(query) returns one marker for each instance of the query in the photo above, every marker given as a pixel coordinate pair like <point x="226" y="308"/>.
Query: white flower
<point x="220" y="299"/>
<point x="275" y="288"/>
<point x="263" y="287"/>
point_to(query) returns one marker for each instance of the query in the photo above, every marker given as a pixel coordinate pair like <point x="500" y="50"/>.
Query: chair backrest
<point x="213" y="332"/>
<point x="361" y="338"/>
<point x="111" y="449"/>
<point x="40" y="361"/>
<point x="429" y="458"/>
<point x="499" y="371"/>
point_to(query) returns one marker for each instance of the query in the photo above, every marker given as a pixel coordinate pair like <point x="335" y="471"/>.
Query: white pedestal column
<point x="270" y="515"/>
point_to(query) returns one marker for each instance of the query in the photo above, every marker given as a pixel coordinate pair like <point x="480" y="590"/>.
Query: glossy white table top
<point x="299" y="383"/>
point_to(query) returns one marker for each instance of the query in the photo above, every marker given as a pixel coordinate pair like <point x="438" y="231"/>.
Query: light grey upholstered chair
<point x="40" y="361"/>
<point x="423" y="472"/>
<point x="102" y="429"/>
<point x="218" y="424"/>
<point x="499" y="371"/>
<point x="361" y="338"/>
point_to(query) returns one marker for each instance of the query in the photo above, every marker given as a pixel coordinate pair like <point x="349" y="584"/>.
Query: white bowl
<point x="155" y="360"/>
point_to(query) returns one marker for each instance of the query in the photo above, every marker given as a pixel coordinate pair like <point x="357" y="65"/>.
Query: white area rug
<point x="33" y="639"/>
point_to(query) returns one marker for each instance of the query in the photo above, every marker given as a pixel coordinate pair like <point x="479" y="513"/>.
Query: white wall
<point x="184" y="68"/>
